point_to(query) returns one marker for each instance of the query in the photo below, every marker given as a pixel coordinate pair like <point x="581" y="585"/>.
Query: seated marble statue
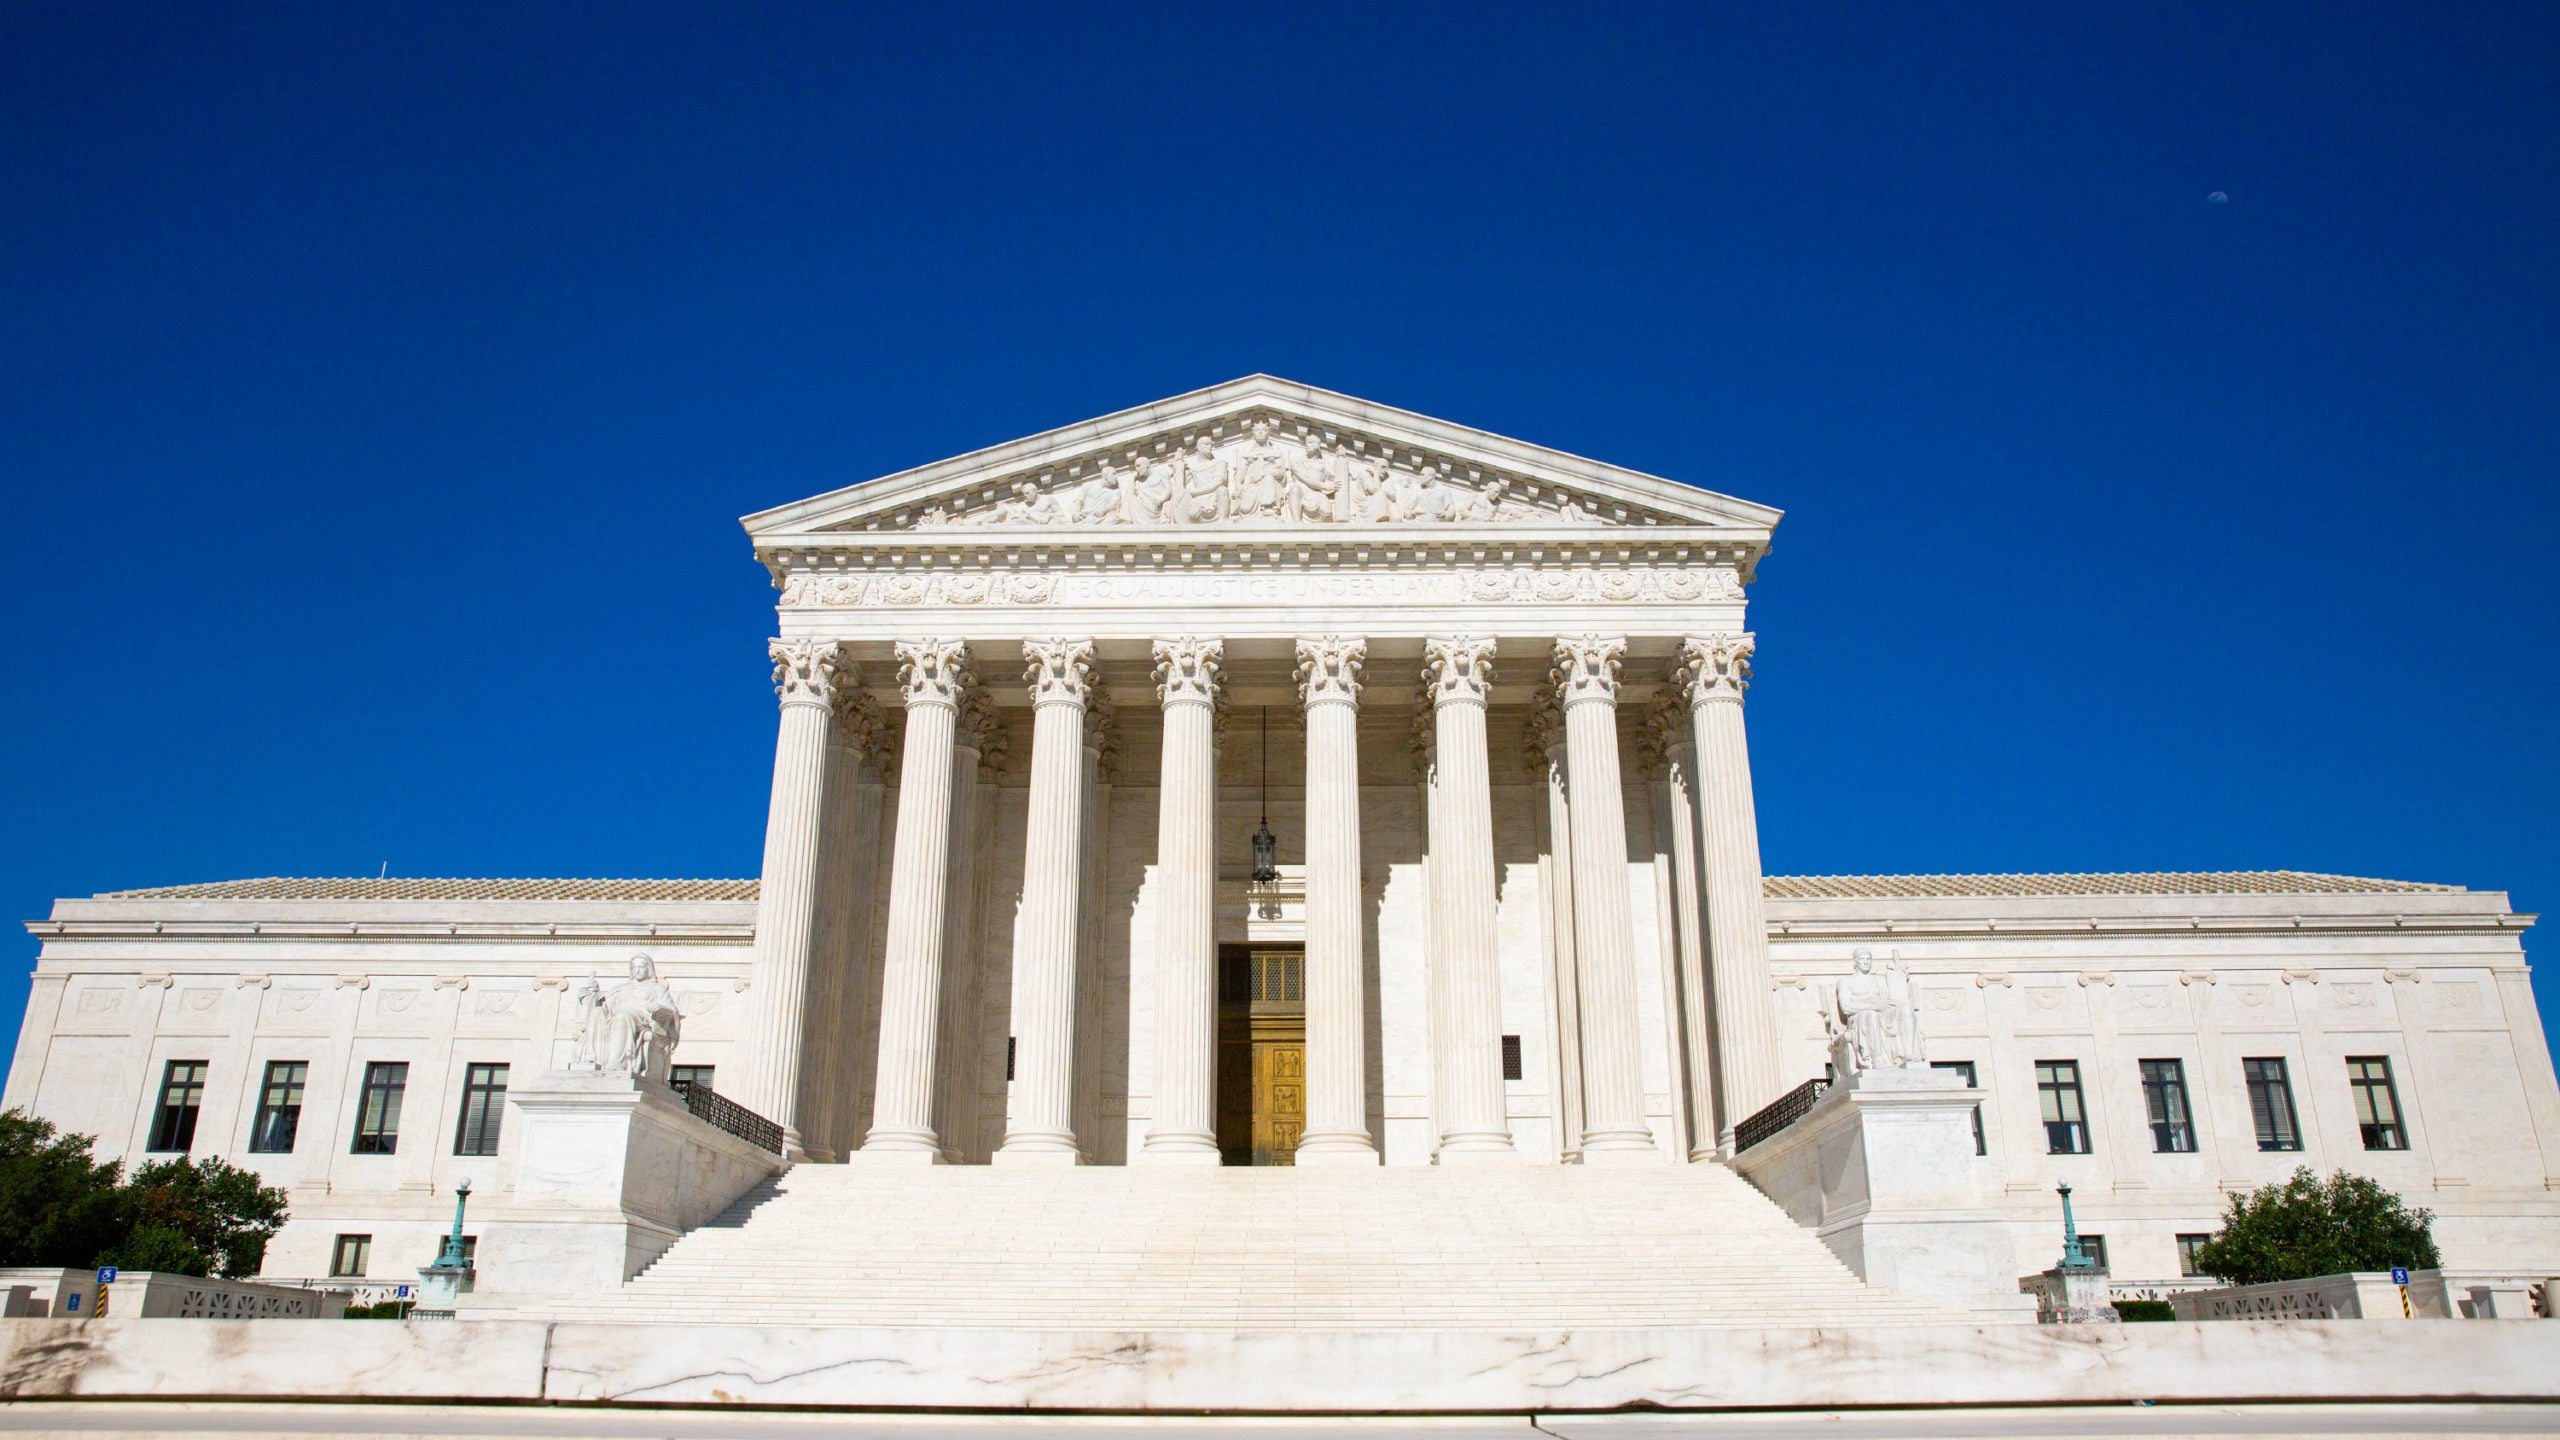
<point x="629" y="1030"/>
<point x="1871" y="1019"/>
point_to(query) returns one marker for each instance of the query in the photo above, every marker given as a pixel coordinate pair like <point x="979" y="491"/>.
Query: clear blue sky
<point x="380" y="385"/>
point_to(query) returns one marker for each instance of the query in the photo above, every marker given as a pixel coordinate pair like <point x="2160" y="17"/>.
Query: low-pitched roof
<point x="1780" y="887"/>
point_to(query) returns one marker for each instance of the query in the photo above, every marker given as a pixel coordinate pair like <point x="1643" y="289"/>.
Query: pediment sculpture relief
<point x="1263" y="476"/>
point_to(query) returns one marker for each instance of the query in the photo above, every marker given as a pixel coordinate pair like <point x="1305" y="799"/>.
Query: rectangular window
<point x="1964" y="1071"/>
<point x="2164" y="1100"/>
<point x="2377" y="1102"/>
<point x="2094" y="1247"/>
<point x="683" y="1075"/>
<point x="279" y="1108"/>
<point x="181" y="1096"/>
<point x="2271" y="1104"/>
<point x="484" y="1104"/>
<point x="2188" y="1245"/>
<point x="378" y="1118"/>
<point x="1511" y="1057"/>
<point x="350" y="1255"/>
<point x="2066" y="1123"/>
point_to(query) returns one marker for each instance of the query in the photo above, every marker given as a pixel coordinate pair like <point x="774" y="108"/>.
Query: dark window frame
<point x="386" y="1086"/>
<point x="477" y="1124"/>
<point x="701" y="1075"/>
<point x="181" y="1104"/>
<point x="2383" y="1126"/>
<point x="278" y="1120"/>
<point x="2166" y="1108"/>
<point x="2093" y="1248"/>
<point x="362" y="1245"/>
<point x="2272" y="1113"/>
<point x="2188" y="1244"/>
<point x="2059" y="1090"/>
<point x="1964" y="1069"/>
<point x="1514" y="1064"/>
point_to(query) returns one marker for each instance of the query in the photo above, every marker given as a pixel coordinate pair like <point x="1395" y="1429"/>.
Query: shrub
<point x="2136" y="1310"/>
<point x="2306" y="1227"/>
<point x="212" y="1207"/>
<point x="58" y="1207"/>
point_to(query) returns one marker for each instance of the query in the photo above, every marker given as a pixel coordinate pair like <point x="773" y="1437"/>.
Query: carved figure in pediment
<point x="1102" y="500"/>
<point x="1151" y="485"/>
<point x="1201" y="497"/>
<point x="1258" y="474"/>
<point x="1402" y="496"/>
<point x="1315" y="487"/>
<point x="1030" y="506"/>
<point x="1364" y="489"/>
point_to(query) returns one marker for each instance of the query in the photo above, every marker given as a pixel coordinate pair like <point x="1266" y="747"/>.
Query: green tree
<point x="190" y="1214"/>
<point x="58" y="1207"/>
<point x="2306" y="1226"/>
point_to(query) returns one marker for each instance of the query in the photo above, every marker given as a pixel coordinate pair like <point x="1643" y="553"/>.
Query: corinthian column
<point x="848" y="837"/>
<point x="805" y="676"/>
<point x="1473" y="1128"/>
<point x="932" y="674"/>
<point x="1337" y="1130"/>
<point x="1717" y="668"/>
<point x="1039" y="1118"/>
<point x="1183" y="1129"/>
<point x="1613" y="1128"/>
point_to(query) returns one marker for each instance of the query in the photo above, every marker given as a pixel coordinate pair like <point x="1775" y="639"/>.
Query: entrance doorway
<point x="1262" y="1053"/>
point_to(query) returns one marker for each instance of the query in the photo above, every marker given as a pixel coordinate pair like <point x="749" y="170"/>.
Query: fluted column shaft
<point x="847" y="834"/>
<point x="1553" y="766"/>
<point x="1040" y="1113"/>
<point x="932" y="675"/>
<point x="1337" y="1063"/>
<point x="957" y="1073"/>
<point x="1680" y="802"/>
<point x="1473" y="1126"/>
<point x="1718" y="669"/>
<point x="1183" y="1127"/>
<point x="804" y="674"/>
<point x="1613" y="1124"/>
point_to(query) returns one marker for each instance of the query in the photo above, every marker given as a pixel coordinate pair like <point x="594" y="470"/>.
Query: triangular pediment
<point x="1259" y="454"/>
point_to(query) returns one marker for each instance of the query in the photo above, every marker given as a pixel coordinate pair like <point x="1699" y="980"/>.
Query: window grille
<point x="1511" y="1066"/>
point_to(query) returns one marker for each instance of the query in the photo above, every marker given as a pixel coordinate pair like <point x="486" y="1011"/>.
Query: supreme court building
<point x="1265" y="777"/>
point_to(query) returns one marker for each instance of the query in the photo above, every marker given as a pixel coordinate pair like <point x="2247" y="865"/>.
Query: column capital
<point x="979" y="730"/>
<point x="805" y="671"/>
<point x="1586" y="668"/>
<point x="1458" y="669"/>
<point x="1329" y="669"/>
<point x="858" y="723"/>
<point x="1715" y="667"/>
<point x="1542" y="738"/>
<point x="1187" y="669"/>
<point x="933" y="672"/>
<point x="1059" y="670"/>
<point x="1102" y="731"/>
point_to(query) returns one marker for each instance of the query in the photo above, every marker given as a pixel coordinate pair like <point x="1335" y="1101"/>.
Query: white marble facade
<point x="1022" y="695"/>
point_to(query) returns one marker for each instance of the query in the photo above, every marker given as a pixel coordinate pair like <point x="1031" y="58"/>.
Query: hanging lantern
<point x="1266" y="846"/>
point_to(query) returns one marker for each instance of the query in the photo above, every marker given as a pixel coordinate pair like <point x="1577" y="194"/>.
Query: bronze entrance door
<point x="1262" y="1053"/>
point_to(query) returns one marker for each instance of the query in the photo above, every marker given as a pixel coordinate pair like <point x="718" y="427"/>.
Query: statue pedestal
<point x="2068" y="1295"/>
<point x="1883" y="1169"/>
<point x="609" y="1170"/>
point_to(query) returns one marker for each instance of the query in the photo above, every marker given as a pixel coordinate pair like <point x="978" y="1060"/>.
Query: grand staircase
<point x="1544" y="1247"/>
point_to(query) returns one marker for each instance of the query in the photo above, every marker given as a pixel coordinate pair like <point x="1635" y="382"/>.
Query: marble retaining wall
<point x="1408" y="1372"/>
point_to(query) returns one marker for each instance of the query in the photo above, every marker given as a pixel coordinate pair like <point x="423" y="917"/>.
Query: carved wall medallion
<point x="99" y="1002"/>
<point x="199" y="1001"/>
<point x="399" y="1001"/>
<point x="2046" y="997"/>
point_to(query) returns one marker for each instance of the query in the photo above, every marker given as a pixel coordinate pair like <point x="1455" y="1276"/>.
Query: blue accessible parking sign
<point x="106" y="1274"/>
<point x="2399" y="1274"/>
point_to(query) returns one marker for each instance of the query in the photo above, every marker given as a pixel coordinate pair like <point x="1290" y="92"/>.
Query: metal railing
<point x="720" y="1112"/>
<point x="1778" y="1114"/>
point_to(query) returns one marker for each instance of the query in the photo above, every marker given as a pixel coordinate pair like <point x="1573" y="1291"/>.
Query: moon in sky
<point x="2217" y="198"/>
